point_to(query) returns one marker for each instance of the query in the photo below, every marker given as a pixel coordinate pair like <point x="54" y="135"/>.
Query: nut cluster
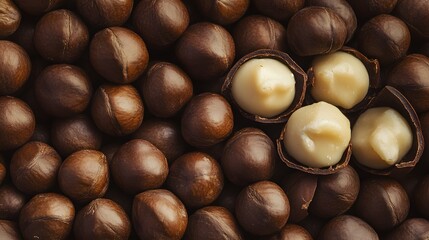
<point x="214" y="119"/>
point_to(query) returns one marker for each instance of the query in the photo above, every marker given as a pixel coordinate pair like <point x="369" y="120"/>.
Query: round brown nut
<point x="34" y="168"/>
<point x="76" y="133"/>
<point x="149" y="167"/>
<point x="39" y="7"/>
<point x="63" y="90"/>
<point x="207" y="120"/>
<point x="160" y="22"/>
<point x="118" y="54"/>
<point x="347" y="227"/>
<point x="316" y="30"/>
<point x="10" y="18"/>
<point x="222" y="12"/>
<point x="385" y="38"/>
<point x="262" y="219"/>
<point x="166" y="89"/>
<point x="102" y="13"/>
<point x="15" y="67"/>
<point x="61" y="36"/>
<point x="249" y="150"/>
<point x="212" y="223"/>
<point x="84" y="176"/>
<point x="102" y="219"/>
<point x="165" y="135"/>
<point x="47" y="216"/>
<point x="280" y="10"/>
<point x="206" y="51"/>
<point x="17" y="123"/>
<point x="159" y="214"/>
<point x="11" y="202"/>
<point x="117" y="110"/>
<point x="256" y="32"/>
<point x="196" y="178"/>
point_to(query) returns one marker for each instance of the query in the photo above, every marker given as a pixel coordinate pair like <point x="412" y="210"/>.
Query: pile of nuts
<point x="214" y="119"/>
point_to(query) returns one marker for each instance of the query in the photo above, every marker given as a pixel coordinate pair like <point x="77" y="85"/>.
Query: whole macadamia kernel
<point x="317" y="135"/>
<point x="264" y="87"/>
<point x="381" y="137"/>
<point x="340" y="79"/>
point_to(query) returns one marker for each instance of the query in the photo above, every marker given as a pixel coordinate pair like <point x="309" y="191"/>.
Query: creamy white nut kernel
<point x="317" y="135"/>
<point x="381" y="137"/>
<point x="264" y="87"/>
<point x="340" y="79"/>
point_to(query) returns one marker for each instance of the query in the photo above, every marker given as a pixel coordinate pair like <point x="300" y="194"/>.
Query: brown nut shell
<point x="300" y="188"/>
<point x="373" y="68"/>
<point x="48" y="216"/>
<point x="300" y="87"/>
<point x="102" y="219"/>
<point x="213" y="223"/>
<point x="391" y="97"/>
<point x="159" y="214"/>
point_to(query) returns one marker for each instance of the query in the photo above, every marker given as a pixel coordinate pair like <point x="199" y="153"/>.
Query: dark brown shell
<point x="373" y="68"/>
<point x="391" y="97"/>
<point x="300" y="88"/>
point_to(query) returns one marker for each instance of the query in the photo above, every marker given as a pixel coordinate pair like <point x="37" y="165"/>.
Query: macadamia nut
<point x="340" y="79"/>
<point x="381" y="137"/>
<point x="264" y="87"/>
<point x="317" y="135"/>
